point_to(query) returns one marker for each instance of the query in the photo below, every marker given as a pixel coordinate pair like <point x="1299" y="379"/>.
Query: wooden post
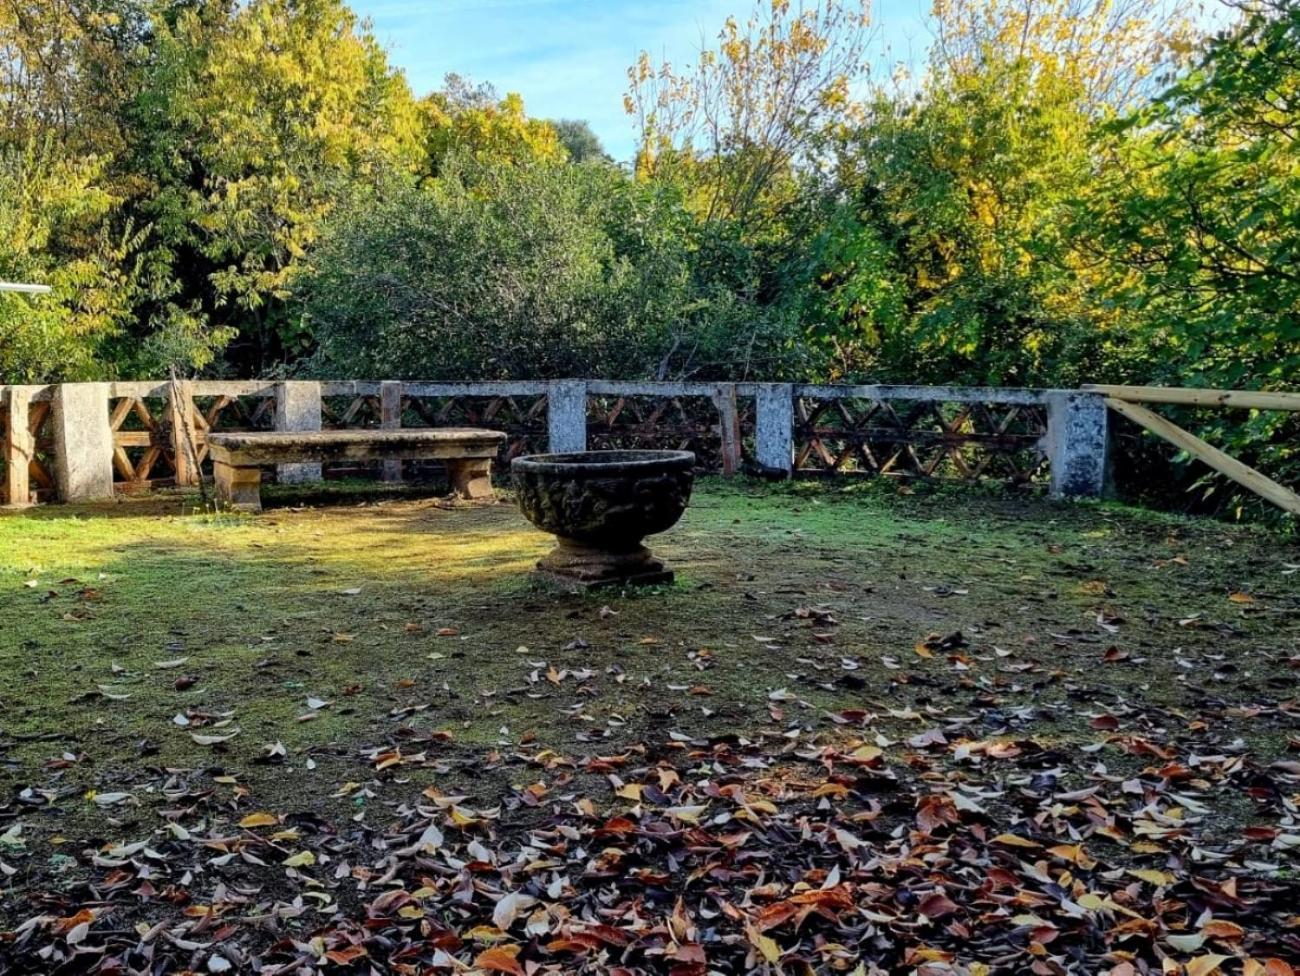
<point x="724" y="398"/>
<point x="18" y="448"/>
<point x="390" y="418"/>
<point x="1225" y="464"/>
<point x="184" y="438"/>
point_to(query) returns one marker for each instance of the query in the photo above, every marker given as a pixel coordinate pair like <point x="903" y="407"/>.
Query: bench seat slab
<point x="237" y="457"/>
<point x="440" y="443"/>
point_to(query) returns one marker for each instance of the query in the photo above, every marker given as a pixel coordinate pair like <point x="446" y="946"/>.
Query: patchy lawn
<point x="865" y="731"/>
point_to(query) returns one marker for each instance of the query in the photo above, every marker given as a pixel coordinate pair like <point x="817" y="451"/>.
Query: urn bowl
<point x="600" y="505"/>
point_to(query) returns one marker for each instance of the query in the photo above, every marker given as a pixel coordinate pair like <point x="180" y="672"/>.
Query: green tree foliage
<point x="579" y="141"/>
<point x="61" y="68"/>
<point x="1198" y="209"/>
<point x="209" y="141"/>
<point x="256" y="123"/>
<point x="953" y="264"/>
<point x="515" y="270"/>
<point x="960" y="193"/>
<point x="734" y="126"/>
<point x="64" y="68"/>
<point x="1196" y="217"/>
<point x="465" y="120"/>
<point x="502" y="279"/>
<point x="53" y="231"/>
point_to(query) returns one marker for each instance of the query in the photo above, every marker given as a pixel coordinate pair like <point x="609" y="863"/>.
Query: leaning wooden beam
<point x="1246" y="399"/>
<point x="724" y="399"/>
<point x="1244" y="475"/>
<point x="184" y="437"/>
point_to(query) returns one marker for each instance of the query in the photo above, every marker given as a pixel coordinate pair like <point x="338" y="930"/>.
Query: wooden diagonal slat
<point x="1243" y="474"/>
<point x="121" y="410"/>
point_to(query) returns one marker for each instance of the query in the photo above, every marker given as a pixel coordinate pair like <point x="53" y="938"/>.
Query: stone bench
<point x="237" y="459"/>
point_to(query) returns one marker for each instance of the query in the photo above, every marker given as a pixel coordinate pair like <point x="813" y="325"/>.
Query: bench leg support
<point x="471" y="478"/>
<point x="238" y="488"/>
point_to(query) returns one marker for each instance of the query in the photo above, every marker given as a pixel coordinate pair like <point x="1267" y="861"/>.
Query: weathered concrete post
<point x="390" y="418"/>
<point x="774" y="429"/>
<point x="566" y="415"/>
<point x="17" y="448"/>
<point x="83" y="442"/>
<point x="1076" y="443"/>
<point x="297" y="408"/>
<point x="724" y="398"/>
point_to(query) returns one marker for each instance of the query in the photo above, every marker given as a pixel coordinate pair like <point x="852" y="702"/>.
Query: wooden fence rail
<point x="1126" y="401"/>
<point x="1244" y="399"/>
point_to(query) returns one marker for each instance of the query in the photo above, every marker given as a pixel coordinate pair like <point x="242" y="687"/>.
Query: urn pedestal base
<point x="575" y="564"/>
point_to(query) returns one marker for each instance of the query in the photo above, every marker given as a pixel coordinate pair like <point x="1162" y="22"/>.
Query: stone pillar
<point x="83" y="443"/>
<point x="17" y="448"/>
<point x="566" y="415"/>
<point x="390" y="418"/>
<point x="1076" y="443"/>
<point x="774" y="429"/>
<point x="724" y="398"/>
<point x="297" y="408"/>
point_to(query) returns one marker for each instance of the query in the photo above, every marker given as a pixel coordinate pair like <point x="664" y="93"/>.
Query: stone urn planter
<point x="600" y="505"/>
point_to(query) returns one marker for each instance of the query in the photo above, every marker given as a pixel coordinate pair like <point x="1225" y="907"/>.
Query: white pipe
<point x="25" y="289"/>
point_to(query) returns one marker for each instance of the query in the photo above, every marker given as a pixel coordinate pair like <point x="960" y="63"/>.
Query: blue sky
<point x="568" y="58"/>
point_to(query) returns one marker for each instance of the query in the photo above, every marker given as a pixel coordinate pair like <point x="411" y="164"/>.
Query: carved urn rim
<point x="603" y="464"/>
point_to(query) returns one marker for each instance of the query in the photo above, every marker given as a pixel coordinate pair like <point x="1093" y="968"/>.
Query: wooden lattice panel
<point x="522" y="418"/>
<point x="40" y="419"/>
<point x="922" y="438"/>
<point x="145" y="438"/>
<point x="233" y="414"/>
<point x="350" y="412"/>
<point x="143" y="454"/>
<point x="37" y="482"/>
<point x="674" y="423"/>
<point x="229" y="414"/>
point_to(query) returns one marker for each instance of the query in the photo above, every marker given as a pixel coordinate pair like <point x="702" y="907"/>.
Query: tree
<point x="578" y="139"/>
<point x="494" y="271"/>
<point x="53" y="230"/>
<point x="1113" y="53"/>
<point x="1199" y="209"/>
<point x="735" y="125"/>
<point x="467" y="120"/>
<point x="1196" y="220"/>
<point x="513" y="270"/>
<point x="963" y="189"/>
<point x="297" y="102"/>
<point x="64" y="68"/>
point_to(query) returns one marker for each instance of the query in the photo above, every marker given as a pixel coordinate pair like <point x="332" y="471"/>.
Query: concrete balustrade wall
<point x="72" y="422"/>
